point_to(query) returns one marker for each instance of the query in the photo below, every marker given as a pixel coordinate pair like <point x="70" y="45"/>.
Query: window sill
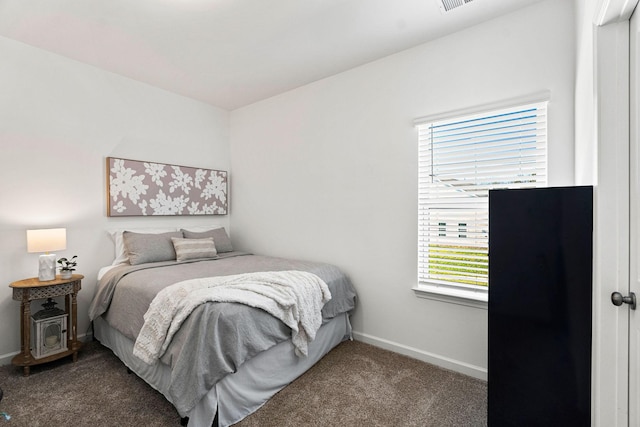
<point x="470" y="297"/>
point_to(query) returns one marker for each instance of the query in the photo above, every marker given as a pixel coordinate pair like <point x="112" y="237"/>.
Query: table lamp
<point x="46" y="240"/>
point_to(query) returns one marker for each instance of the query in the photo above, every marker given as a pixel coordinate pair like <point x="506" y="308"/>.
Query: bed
<point x="226" y="359"/>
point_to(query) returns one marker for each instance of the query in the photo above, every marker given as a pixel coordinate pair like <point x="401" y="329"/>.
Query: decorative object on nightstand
<point x="46" y="240"/>
<point x="49" y="330"/>
<point x="67" y="266"/>
<point x="56" y="323"/>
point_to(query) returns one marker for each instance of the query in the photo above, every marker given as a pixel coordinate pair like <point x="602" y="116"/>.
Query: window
<point x="460" y="160"/>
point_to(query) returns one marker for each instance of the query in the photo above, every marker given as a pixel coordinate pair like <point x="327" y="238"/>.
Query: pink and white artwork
<point x="136" y="188"/>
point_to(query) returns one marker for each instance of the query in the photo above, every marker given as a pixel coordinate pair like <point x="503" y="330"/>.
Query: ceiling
<point x="231" y="53"/>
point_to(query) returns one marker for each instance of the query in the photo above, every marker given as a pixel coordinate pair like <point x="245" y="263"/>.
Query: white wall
<point x="59" y="119"/>
<point x="327" y="172"/>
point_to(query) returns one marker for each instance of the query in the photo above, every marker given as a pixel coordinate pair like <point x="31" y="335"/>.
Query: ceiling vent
<point x="447" y="5"/>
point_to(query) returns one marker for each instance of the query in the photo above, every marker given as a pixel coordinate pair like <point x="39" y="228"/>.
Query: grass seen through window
<point x="459" y="264"/>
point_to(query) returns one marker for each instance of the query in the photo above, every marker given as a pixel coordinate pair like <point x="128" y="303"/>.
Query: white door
<point x="634" y="226"/>
<point x="610" y="386"/>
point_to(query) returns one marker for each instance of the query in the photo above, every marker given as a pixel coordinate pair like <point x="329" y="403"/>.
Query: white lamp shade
<point x="46" y="240"/>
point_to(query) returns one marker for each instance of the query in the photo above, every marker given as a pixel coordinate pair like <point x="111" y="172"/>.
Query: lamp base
<point x="47" y="267"/>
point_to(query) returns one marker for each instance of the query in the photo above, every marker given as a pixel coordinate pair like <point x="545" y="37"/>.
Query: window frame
<point x="458" y="293"/>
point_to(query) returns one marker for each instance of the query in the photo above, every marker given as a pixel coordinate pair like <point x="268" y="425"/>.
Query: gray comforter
<point x="217" y="337"/>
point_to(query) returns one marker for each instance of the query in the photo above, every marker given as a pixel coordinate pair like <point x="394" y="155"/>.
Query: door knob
<point x="618" y="299"/>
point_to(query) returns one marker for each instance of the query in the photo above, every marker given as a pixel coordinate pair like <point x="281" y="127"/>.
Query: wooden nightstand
<point x="32" y="289"/>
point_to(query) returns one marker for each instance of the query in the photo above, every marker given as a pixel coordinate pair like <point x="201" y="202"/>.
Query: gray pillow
<point x="220" y="238"/>
<point x="144" y="248"/>
<point x="194" y="248"/>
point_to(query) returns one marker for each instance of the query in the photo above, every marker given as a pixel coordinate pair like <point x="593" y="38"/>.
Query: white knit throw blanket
<point x="294" y="297"/>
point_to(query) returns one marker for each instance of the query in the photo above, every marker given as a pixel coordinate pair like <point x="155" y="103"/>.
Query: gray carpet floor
<point x="354" y="385"/>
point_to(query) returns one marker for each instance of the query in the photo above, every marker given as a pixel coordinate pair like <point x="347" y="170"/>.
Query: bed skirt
<point x="239" y="394"/>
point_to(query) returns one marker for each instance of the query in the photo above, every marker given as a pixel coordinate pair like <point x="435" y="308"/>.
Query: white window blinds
<point x="460" y="159"/>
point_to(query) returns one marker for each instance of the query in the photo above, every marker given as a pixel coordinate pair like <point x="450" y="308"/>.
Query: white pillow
<point x="121" y="256"/>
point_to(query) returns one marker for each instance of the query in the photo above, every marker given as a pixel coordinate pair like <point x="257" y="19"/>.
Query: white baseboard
<point x="5" y="359"/>
<point x="434" y="359"/>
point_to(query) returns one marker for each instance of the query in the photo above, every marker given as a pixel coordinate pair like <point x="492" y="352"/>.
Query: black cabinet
<point x="540" y="292"/>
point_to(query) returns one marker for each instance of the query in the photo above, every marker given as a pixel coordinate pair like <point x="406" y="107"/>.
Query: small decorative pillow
<point x="143" y="248"/>
<point x="219" y="235"/>
<point x="194" y="248"/>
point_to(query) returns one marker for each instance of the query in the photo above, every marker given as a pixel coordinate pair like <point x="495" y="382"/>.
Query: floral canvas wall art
<point x="137" y="188"/>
